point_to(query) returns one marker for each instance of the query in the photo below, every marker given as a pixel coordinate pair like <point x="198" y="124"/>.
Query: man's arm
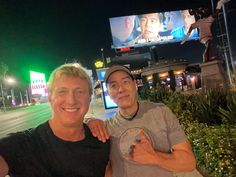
<point x="3" y="167"/>
<point x="180" y="159"/>
<point x="98" y="129"/>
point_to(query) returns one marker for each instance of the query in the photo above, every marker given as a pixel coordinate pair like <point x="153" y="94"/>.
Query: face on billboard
<point x="122" y="27"/>
<point x="150" y="29"/>
<point x="150" y="25"/>
<point x="188" y="19"/>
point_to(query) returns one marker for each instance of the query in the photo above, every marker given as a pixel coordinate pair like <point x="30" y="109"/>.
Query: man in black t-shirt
<point x="62" y="146"/>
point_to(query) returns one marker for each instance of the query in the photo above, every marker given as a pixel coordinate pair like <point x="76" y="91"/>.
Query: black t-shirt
<point x="39" y="153"/>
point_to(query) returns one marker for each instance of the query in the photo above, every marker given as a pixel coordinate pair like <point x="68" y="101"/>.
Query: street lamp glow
<point x="192" y="78"/>
<point x="10" y="80"/>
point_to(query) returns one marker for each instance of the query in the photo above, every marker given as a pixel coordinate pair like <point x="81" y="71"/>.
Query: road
<point x="31" y="116"/>
<point x="23" y="118"/>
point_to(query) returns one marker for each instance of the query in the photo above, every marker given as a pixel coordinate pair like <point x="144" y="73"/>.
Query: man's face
<point x="123" y="27"/>
<point x="122" y="89"/>
<point x="188" y="19"/>
<point x="150" y="25"/>
<point x="70" y="101"/>
<point x="129" y="26"/>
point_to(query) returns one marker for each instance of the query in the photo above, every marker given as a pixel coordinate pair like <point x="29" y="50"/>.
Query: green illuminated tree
<point x="3" y="70"/>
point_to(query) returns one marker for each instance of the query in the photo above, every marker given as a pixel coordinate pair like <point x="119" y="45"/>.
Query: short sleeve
<point x="176" y="133"/>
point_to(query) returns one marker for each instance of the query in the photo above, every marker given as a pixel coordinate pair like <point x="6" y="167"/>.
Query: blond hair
<point x="70" y="70"/>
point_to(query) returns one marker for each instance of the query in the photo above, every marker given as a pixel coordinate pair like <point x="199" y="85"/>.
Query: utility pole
<point x="21" y="99"/>
<point x="226" y="47"/>
<point x="103" y="60"/>
<point x="229" y="46"/>
<point x="27" y="96"/>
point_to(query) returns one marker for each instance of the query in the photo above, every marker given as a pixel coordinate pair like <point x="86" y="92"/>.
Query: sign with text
<point x="38" y="83"/>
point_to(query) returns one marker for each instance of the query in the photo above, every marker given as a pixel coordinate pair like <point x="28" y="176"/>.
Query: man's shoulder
<point x="153" y="108"/>
<point x="149" y="104"/>
<point x="25" y="135"/>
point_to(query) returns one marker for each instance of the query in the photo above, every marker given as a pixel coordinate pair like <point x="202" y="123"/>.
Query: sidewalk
<point x="97" y="110"/>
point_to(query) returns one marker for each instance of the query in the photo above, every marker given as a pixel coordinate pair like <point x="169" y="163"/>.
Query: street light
<point x="103" y="58"/>
<point x="10" y="80"/>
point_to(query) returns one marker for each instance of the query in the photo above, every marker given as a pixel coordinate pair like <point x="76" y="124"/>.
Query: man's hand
<point x="142" y="151"/>
<point x="98" y="129"/>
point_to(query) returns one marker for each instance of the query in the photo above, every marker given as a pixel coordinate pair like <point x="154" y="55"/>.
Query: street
<point x="23" y="118"/>
<point x="31" y="116"/>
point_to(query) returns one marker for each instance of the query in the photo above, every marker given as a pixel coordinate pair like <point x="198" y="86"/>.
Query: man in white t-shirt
<point x="146" y="138"/>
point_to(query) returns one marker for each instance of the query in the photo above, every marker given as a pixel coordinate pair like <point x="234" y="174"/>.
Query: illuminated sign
<point x="108" y="102"/>
<point x="99" y="64"/>
<point x="101" y="73"/>
<point x="38" y="83"/>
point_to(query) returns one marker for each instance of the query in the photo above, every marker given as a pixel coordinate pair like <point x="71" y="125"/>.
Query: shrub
<point x="157" y="94"/>
<point x="229" y="115"/>
<point x="213" y="148"/>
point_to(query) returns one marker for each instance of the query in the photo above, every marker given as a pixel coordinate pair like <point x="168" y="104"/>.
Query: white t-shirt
<point x="159" y="124"/>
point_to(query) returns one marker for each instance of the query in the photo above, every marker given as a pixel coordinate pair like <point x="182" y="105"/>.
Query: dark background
<point x="41" y="35"/>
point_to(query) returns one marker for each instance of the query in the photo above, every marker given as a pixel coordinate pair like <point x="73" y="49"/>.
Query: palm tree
<point x="3" y="71"/>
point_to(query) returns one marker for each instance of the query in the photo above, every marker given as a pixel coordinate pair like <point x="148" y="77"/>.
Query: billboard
<point x="151" y="29"/>
<point x="38" y="83"/>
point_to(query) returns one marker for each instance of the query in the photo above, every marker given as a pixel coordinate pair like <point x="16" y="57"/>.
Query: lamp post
<point x="103" y="58"/>
<point x="21" y="99"/>
<point x="27" y="97"/>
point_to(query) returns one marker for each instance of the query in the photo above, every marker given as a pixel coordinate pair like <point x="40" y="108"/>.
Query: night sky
<point x="41" y="35"/>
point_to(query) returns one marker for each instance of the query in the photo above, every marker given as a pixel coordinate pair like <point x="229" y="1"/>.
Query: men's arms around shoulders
<point x="98" y="128"/>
